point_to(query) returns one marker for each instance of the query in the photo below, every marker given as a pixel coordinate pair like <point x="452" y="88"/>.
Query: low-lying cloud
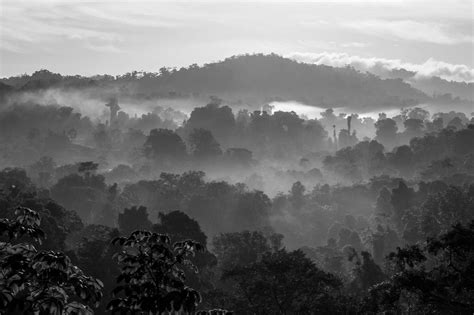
<point x="385" y="67"/>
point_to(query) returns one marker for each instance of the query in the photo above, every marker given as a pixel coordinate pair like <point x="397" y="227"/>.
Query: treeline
<point x="436" y="155"/>
<point x="217" y="140"/>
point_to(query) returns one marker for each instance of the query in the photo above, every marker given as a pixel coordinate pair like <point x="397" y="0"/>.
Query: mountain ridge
<point x="251" y="79"/>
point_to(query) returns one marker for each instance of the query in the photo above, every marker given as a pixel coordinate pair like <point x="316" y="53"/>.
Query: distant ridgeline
<point x="251" y="79"/>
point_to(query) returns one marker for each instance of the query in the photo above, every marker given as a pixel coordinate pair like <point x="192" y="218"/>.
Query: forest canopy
<point x="191" y="191"/>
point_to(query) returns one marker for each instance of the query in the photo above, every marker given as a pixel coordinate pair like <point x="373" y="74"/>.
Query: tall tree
<point x="164" y="143"/>
<point x="386" y="132"/>
<point x="203" y="144"/>
<point x="132" y="219"/>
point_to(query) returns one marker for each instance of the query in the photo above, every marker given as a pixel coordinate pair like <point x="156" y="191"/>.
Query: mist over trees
<point x="189" y="191"/>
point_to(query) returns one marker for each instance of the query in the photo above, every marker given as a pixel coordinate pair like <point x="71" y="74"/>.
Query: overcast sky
<point x="114" y="37"/>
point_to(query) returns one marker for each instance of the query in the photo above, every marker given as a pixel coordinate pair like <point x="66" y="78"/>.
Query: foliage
<point x="203" y="144"/>
<point x="152" y="278"/>
<point x="217" y="205"/>
<point x="217" y="120"/>
<point x="244" y="248"/>
<point x="283" y="282"/>
<point x="164" y="143"/>
<point x="366" y="273"/>
<point x="93" y="253"/>
<point x="44" y="282"/>
<point x="56" y="221"/>
<point x="132" y="219"/>
<point x="180" y="227"/>
<point x="435" y="277"/>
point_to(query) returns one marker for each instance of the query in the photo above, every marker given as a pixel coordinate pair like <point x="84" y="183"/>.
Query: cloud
<point x="436" y="33"/>
<point x="384" y="67"/>
<point x="23" y="27"/>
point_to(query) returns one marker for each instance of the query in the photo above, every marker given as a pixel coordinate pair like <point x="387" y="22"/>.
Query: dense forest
<point x="187" y="192"/>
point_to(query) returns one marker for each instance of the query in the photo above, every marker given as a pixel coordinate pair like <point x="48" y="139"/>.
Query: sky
<point x="114" y="37"/>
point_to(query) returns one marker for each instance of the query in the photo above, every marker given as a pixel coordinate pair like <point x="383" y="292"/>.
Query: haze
<point x="236" y="157"/>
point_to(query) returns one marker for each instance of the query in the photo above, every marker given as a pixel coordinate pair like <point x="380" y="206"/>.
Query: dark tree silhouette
<point x="435" y="277"/>
<point x="164" y="143"/>
<point x="203" y="144"/>
<point x="44" y="282"/>
<point x="132" y="219"/>
<point x="152" y="278"/>
<point x="179" y="226"/>
<point x="284" y="282"/>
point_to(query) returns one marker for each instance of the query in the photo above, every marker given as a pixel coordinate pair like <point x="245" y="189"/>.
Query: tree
<point x="281" y="283"/>
<point x="441" y="211"/>
<point x="94" y="254"/>
<point x="346" y="139"/>
<point x="152" y="278"/>
<point x="44" y="282"/>
<point x="219" y="120"/>
<point x="349" y="237"/>
<point x="456" y="123"/>
<point x="203" y="144"/>
<point x="239" y="157"/>
<point x="367" y="273"/>
<point x="87" y="168"/>
<point x="383" y="242"/>
<point x="413" y="128"/>
<point x="383" y="206"/>
<point x="244" y="248"/>
<point x="85" y="193"/>
<point x="15" y="178"/>
<point x="418" y="113"/>
<point x="42" y="171"/>
<point x="56" y="221"/>
<point x="132" y="219"/>
<point x="403" y="159"/>
<point x="252" y="210"/>
<point x="164" y="143"/>
<point x="431" y="278"/>
<point x="297" y="195"/>
<point x="464" y="141"/>
<point x="365" y="159"/>
<point x="402" y="199"/>
<point x="386" y="132"/>
<point x="179" y="226"/>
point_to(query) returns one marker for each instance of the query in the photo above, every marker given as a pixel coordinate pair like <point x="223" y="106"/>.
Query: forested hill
<point x="251" y="79"/>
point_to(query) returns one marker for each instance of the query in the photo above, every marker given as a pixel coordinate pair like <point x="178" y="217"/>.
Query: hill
<point x="264" y="78"/>
<point x="251" y="79"/>
<point x="437" y="86"/>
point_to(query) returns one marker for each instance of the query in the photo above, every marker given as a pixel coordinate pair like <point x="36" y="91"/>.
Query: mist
<point x="316" y="175"/>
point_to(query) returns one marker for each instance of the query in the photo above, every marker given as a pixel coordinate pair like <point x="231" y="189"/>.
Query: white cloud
<point x="23" y="26"/>
<point x="429" y="32"/>
<point x="382" y="66"/>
